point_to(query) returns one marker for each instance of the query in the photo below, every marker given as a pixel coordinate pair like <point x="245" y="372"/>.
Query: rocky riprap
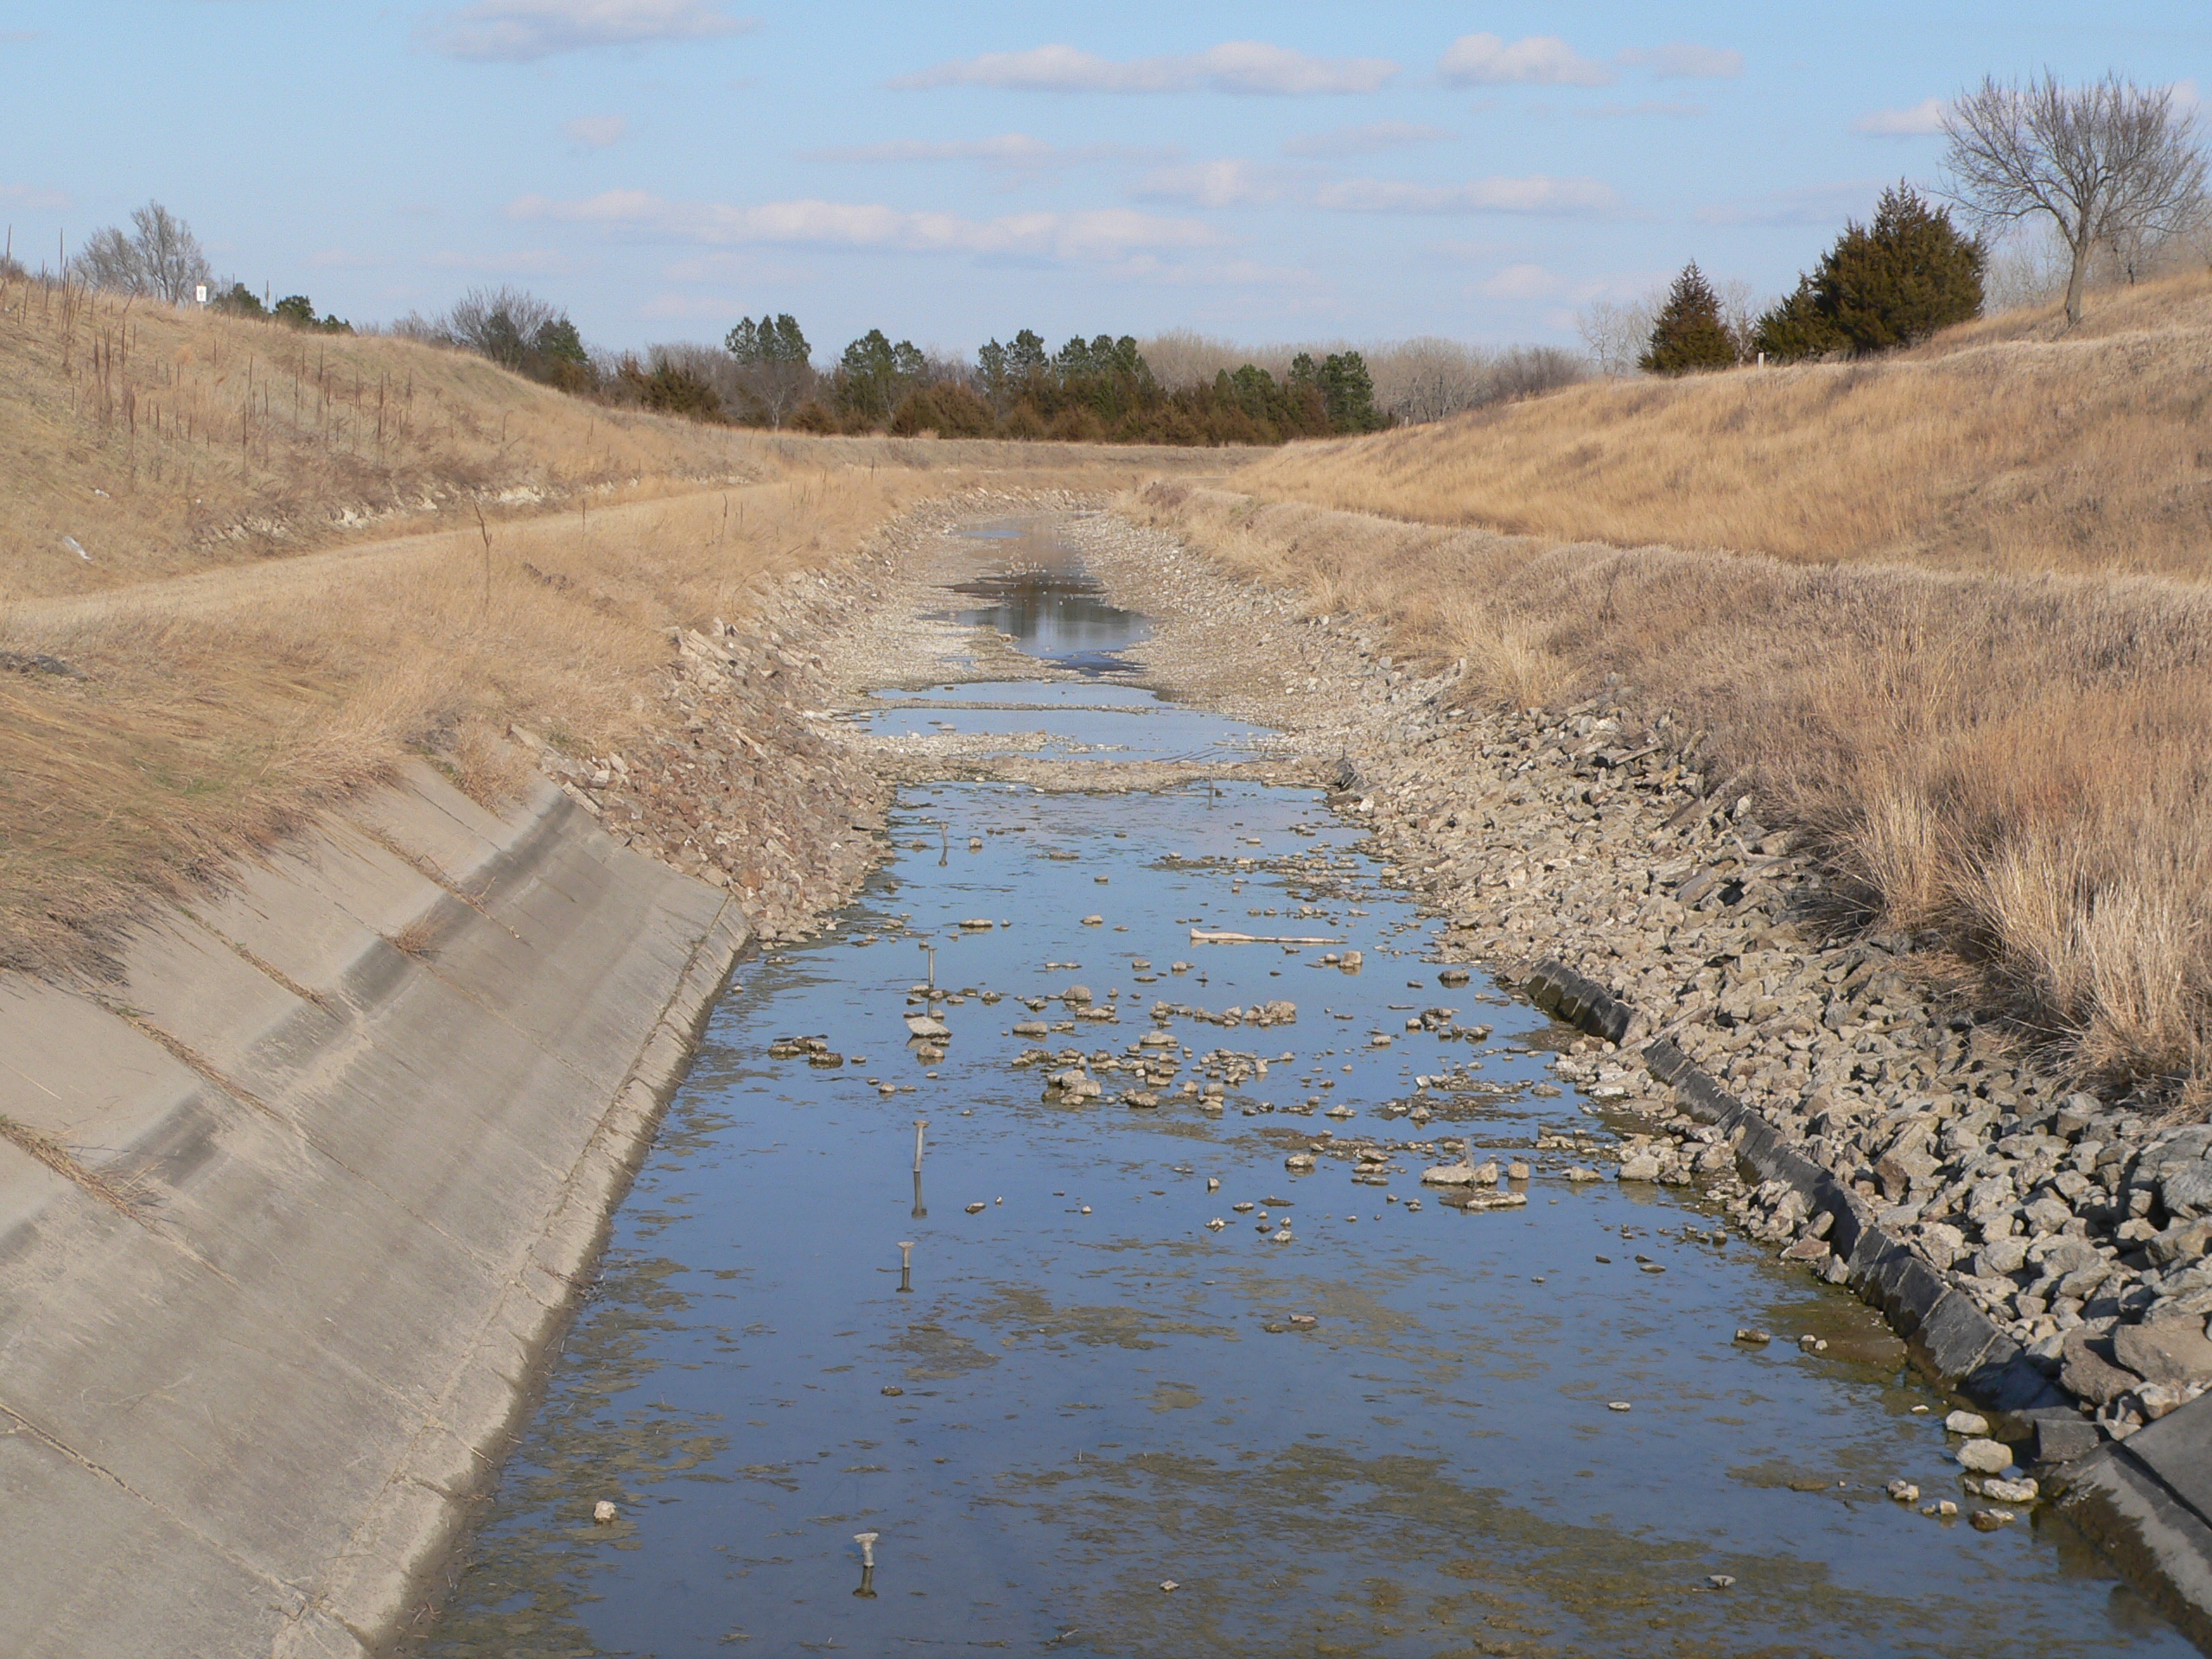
<point x="1604" y="834"/>
<point x="740" y="781"/>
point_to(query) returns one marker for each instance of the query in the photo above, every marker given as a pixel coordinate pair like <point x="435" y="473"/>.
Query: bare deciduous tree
<point x="1615" y="333"/>
<point x="160" y="257"/>
<point x="500" y="323"/>
<point x="2113" y="165"/>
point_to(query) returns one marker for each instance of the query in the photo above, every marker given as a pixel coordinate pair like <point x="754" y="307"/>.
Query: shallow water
<point x="1040" y="594"/>
<point x="1073" y="720"/>
<point x="1087" y="1394"/>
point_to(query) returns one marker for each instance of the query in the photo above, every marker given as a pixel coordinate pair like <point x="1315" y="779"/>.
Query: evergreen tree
<point x="874" y="376"/>
<point x="1798" y="328"/>
<point x="1689" y="336"/>
<point x="772" y="339"/>
<point x="1898" y="280"/>
<point x="1348" y="392"/>
<point x="773" y="362"/>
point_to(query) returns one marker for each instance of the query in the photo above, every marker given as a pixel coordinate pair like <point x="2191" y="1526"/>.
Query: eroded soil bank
<point x="1469" y="1384"/>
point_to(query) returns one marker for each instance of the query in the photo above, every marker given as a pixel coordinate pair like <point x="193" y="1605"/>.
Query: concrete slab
<point x="247" y="1412"/>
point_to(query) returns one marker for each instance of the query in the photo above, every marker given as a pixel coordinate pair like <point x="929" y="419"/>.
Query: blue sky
<point x="949" y="173"/>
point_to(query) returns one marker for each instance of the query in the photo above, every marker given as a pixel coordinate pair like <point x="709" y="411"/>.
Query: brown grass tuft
<point x="418" y="939"/>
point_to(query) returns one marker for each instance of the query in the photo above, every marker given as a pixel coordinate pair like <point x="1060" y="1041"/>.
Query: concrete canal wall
<point x="290" y="1211"/>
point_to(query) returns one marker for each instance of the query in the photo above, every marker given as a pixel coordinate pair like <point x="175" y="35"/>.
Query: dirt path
<point x="201" y="593"/>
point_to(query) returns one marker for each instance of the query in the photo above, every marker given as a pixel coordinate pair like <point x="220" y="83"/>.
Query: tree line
<point x="2112" y="171"/>
<point x="1099" y="390"/>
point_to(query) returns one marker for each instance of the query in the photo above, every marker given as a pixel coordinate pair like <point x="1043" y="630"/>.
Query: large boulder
<point x="2166" y="1351"/>
<point x="2089" y="1370"/>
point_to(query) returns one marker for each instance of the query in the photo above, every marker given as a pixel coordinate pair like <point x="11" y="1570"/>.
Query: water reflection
<point x="1051" y="609"/>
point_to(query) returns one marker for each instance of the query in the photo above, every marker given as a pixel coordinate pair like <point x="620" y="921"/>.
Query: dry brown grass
<point x="2013" y="766"/>
<point x="217" y="696"/>
<point x="193" y="731"/>
<point x="163" y="440"/>
<point x="2004" y="446"/>
<point x="201" y="724"/>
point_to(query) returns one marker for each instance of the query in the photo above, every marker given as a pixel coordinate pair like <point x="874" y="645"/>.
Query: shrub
<point x="669" y="388"/>
<point x="239" y="301"/>
<point x="298" y="311"/>
<point x="1023" y="421"/>
<point x="916" y="414"/>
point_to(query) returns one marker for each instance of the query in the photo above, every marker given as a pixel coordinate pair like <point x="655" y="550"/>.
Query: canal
<point x="1144" y="1383"/>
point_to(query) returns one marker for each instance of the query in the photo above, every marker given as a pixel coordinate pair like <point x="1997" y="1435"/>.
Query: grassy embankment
<point x="1947" y="612"/>
<point x="251" y="640"/>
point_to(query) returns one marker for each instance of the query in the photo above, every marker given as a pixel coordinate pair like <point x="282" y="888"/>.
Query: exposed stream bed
<point x="1353" y="1418"/>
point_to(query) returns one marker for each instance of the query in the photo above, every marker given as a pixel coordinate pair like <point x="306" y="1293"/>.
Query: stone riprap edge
<point x="407" y="1544"/>
<point x="1951" y="1337"/>
<point x="2147" y="1502"/>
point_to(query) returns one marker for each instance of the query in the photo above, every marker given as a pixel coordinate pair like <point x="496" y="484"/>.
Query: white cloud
<point x="1014" y="151"/>
<point x="1213" y="184"/>
<point x="597" y="131"/>
<point x="1232" y="66"/>
<point x="1542" y="59"/>
<point x="1815" y="204"/>
<point x="1095" y="234"/>
<point x="1518" y="283"/>
<point x="1685" y="60"/>
<point x="31" y="196"/>
<point x="344" y="259"/>
<point x="521" y="31"/>
<point x="1536" y="194"/>
<point x="1923" y="118"/>
<point x="1365" y="140"/>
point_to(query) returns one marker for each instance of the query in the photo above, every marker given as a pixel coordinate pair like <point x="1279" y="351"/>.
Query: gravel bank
<point x="1597" y="835"/>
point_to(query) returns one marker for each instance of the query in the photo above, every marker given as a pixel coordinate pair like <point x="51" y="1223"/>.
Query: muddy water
<point x="1352" y="1420"/>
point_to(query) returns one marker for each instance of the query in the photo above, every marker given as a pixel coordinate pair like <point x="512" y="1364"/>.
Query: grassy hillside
<point x="1947" y="615"/>
<point x="2006" y="445"/>
<point x="249" y="641"/>
<point x="160" y="441"/>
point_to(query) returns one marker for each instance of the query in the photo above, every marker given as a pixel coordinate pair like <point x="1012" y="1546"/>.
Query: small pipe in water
<point x="906" y="1264"/>
<point x="921" y="1123"/>
<point x="867" y="1541"/>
